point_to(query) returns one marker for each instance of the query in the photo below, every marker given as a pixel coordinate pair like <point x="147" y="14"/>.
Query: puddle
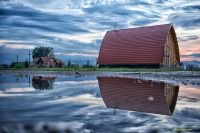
<point x="96" y="104"/>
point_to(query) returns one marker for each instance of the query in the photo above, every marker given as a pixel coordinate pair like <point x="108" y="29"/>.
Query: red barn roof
<point x="143" y="45"/>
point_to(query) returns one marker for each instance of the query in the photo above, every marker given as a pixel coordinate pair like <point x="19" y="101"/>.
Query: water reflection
<point x="21" y="77"/>
<point x="43" y="83"/>
<point x="75" y="104"/>
<point x="138" y="95"/>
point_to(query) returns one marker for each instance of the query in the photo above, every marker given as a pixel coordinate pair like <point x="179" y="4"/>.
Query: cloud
<point x="79" y="54"/>
<point x="189" y="47"/>
<point x="18" y="46"/>
<point x="193" y="8"/>
<point x="84" y="38"/>
<point x="34" y="20"/>
<point x="74" y="26"/>
<point x="17" y="90"/>
<point x="142" y="22"/>
<point x="195" y="55"/>
<point x="187" y="38"/>
<point x="186" y="20"/>
<point x="84" y="99"/>
<point x="191" y="57"/>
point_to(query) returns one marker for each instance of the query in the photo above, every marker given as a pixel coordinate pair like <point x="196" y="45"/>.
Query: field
<point x="105" y="69"/>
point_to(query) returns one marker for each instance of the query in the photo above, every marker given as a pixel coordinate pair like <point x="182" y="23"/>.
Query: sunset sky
<point x="75" y="28"/>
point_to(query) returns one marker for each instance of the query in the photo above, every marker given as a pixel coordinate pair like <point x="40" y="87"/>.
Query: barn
<point x="150" y="46"/>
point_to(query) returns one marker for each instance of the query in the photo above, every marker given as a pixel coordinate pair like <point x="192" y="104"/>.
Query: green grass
<point x="105" y="69"/>
<point x="122" y="69"/>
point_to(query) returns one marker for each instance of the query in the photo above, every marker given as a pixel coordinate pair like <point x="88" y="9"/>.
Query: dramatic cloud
<point x="75" y="28"/>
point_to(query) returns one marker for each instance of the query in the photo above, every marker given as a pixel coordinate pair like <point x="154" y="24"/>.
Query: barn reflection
<point x="43" y="83"/>
<point x="138" y="95"/>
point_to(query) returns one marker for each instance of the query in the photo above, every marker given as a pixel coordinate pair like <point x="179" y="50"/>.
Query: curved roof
<point x="143" y="45"/>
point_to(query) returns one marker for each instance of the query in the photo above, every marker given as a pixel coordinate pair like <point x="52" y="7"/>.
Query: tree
<point x="88" y="63"/>
<point x="43" y="52"/>
<point x="69" y="63"/>
<point x="26" y="63"/>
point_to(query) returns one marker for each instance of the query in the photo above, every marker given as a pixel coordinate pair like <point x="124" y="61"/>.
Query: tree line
<point x="38" y="52"/>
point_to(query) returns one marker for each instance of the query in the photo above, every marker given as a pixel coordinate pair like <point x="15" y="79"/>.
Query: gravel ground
<point x="178" y="77"/>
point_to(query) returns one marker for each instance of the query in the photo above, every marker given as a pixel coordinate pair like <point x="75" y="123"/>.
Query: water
<point x="77" y="104"/>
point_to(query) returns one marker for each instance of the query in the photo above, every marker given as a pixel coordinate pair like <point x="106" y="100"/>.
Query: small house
<point x="47" y="62"/>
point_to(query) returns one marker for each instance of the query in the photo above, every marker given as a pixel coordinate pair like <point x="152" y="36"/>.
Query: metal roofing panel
<point x="143" y="45"/>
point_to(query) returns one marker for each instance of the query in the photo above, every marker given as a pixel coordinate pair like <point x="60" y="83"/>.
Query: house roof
<point x="47" y="59"/>
<point x="143" y="45"/>
<point x="35" y="60"/>
<point x="137" y="95"/>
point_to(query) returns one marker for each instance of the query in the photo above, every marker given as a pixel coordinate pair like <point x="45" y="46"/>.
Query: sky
<point x="75" y="28"/>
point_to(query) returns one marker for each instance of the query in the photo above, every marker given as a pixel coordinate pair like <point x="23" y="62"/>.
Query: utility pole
<point x="17" y="58"/>
<point x="43" y="52"/>
<point x="29" y="54"/>
<point x="114" y="112"/>
<point x="29" y="80"/>
<point x="115" y="25"/>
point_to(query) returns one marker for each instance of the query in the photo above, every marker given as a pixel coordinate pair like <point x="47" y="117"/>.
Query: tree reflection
<point x="43" y="83"/>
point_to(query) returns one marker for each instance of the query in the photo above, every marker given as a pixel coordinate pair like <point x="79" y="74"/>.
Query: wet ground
<point x="174" y="77"/>
<point x="96" y="103"/>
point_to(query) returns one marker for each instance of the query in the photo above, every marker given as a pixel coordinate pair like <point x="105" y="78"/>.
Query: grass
<point x="122" y="69"/>
<point x="105" y="69"/>
<point x="51" y="69"/>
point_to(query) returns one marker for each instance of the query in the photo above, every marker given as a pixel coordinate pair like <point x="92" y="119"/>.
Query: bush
<point x="76" y="66"/>
<point x="17" y="65"/>
<point x="73" y="66"/>
<point x="192" y="67"/>
<point x="26" y="64"/>
<point x="4" y="66"/>
<point x="88" y="66"/>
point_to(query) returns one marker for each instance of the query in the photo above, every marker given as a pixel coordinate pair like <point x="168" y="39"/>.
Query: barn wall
<point x="171" y="58"/>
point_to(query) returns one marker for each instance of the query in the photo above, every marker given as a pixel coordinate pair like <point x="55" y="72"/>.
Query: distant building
<point x="47" y="62"/>
<point x="144" y="46"/>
